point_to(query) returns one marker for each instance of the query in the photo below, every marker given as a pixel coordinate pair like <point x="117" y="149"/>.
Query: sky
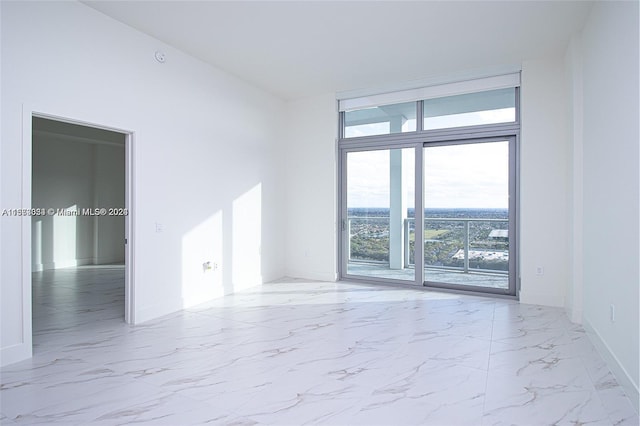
<point x="456" y="176"/>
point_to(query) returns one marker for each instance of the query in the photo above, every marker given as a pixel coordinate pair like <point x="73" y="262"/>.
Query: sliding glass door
<point x="466" y="189"/>
<point x="378" y="222"/>
<point x="468" y="215"/>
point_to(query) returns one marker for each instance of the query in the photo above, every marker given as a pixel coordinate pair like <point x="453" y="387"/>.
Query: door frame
<point x="418" y="211"/>
<point x="28" y="112"/>
<point x="513" y="216"/>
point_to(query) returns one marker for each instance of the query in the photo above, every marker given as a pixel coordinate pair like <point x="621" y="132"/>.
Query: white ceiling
<point x="296" y="49"/>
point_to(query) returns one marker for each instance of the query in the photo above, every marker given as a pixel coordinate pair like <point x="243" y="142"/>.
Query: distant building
<point x="499" y="233"/>
<point x="483" y="255"/>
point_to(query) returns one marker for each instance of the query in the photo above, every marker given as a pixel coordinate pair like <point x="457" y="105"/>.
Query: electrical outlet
<point x="539" y="270"/>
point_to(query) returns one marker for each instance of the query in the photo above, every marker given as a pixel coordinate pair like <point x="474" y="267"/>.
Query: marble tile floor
<point x="299" y="352"/>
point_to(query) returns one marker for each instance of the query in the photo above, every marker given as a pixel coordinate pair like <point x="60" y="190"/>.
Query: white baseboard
<point x="620" y="373"/>
<point x="149" y="313"/>
<point x="108" y="260"/>
<point x="575" y="315"/>
<point x="540" y="298"/>
<point x="311" y="275"/>
<point x="38" y="267"/>
<point x="15" y="353"/>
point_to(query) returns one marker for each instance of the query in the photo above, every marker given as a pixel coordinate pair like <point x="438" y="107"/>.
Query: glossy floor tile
<point x="299" y="352"/>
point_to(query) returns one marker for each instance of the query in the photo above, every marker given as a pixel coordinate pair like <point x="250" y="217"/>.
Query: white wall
<point x="206" y="161"/>
<point x="79" y="175"/>
<point x="544" y="183"/>
<point x="311" y="188"/>
<point x="611" y="186"/>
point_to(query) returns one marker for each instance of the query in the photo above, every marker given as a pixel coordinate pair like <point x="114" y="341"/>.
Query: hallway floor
<point x="300" y="352"/>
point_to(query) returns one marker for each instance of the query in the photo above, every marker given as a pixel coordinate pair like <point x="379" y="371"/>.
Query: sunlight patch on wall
<point x="65" y="238"/>
<point x="202" y="262"/>
<point x="36" y="244"/>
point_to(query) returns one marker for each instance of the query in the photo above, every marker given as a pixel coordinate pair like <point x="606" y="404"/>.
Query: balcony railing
<point x="381" y="231"/>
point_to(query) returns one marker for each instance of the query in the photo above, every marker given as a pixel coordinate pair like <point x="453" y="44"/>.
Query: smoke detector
<point x="160" y="57"/>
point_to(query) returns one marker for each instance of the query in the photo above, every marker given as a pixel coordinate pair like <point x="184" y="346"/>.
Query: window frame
<point x="419" y="139"/>
<point x="420" y="132"/>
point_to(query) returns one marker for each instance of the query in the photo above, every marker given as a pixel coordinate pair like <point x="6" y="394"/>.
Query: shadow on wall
<point x="206" y="273"/>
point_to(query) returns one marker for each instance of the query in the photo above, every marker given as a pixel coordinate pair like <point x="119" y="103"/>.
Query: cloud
<point x="456" y="176"/>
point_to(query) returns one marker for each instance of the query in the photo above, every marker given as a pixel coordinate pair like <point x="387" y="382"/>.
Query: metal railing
<point x="407" y="242"/>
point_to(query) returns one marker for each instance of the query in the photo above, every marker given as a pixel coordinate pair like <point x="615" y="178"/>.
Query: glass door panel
<point x="379" y="228"/>
<point x="467" y="215"/>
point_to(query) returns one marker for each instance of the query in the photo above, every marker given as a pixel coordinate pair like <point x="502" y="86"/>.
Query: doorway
<point x="81" y="260"/>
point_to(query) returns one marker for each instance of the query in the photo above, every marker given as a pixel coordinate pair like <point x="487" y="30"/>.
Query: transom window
<point x="482" y="102"/>
<point x="472" y="109"/>
<point x="380" y="120"/>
